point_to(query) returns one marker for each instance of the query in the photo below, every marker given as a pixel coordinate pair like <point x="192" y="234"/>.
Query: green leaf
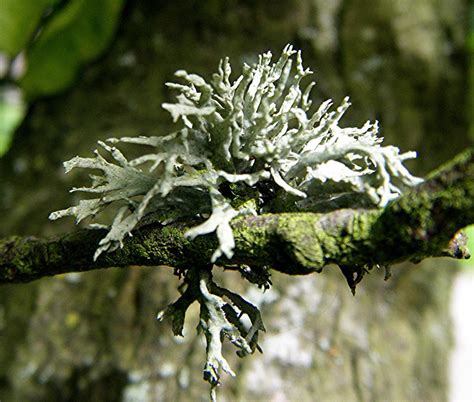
<point x="18" y="21"/>
<point x="11" y="115"/>
<point x="77" y="34"/>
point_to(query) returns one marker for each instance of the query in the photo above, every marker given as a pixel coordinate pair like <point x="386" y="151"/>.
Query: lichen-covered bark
<point x="424" y="222"/>
<point x="93" y="336"/>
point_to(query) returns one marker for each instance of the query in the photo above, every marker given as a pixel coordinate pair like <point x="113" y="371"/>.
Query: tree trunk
<point x="93" y="336"/>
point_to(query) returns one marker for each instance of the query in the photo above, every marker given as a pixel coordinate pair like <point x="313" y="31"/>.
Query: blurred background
<point x="76" y="71"/>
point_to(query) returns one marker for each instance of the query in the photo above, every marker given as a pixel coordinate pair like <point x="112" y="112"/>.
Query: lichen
<point x="242" y="144"/>
<point x="220" y="318"/>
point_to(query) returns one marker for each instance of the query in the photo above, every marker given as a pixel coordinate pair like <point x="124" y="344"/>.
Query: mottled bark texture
<point x="93" y="336"/>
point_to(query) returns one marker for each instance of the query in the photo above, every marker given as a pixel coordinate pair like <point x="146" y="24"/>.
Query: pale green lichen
<point x="243" y="145"/>
<point x="220" y="318"/>
<point x="258" y="128"/>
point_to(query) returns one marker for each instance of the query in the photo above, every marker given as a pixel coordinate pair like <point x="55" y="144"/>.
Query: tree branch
<point x="422" y="223"/>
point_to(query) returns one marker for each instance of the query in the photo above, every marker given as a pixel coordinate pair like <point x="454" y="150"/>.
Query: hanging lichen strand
<point x="240" y="141"/>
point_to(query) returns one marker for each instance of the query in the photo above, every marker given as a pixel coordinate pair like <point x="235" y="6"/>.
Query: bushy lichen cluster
<point x="245" y="145"/>
<point x="240" y="142"/>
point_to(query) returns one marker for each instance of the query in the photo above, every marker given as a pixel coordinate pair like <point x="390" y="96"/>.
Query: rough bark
<point x="93" y="336"/>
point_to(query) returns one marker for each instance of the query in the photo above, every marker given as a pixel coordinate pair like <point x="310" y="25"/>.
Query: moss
<point x="164" y="247"/>
<point x="16" y="257"/>
<point x="318" y="240"/>
<point x="253" y="236"/>
<point x="297" y="233"/>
